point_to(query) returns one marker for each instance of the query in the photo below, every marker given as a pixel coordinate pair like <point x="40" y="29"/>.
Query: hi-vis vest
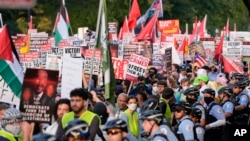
<point x="133" y="122"/>
<point x="8" y="136"/>
<point x="86" y="116"/>
<point x="167" y="114"/>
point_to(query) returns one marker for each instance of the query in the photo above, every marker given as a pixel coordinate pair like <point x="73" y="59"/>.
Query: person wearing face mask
<point x="215" y="117"/>
<point x="13" y="127"/>
<point x="154" y="88"/>
<point x="192" y="95"/>
<point x="131" y="117"/>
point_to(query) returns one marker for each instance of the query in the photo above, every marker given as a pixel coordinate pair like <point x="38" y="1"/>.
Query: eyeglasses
<point x="113" y="132"/>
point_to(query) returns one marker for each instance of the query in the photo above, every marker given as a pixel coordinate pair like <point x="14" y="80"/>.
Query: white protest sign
<point x="88" y="64"/>
<point x="233" y="49"/>
<point x="6" y="94"/>
<point x="136" y="67"/>
<point x="72" y="52"/>
<point x="71" y="75"/>
<point x="245" y="48"/>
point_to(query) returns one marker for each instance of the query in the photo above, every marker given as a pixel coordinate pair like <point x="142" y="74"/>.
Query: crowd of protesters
<point x="187" y="103"/>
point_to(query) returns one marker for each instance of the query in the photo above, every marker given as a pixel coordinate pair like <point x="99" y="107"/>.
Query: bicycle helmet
<point x="209" y="91"/>
<point x="116" y="123"/>
<point x="150" y="104"/>
<point x="192" y="91"/>
<point x="77" y="128"/>
<point x="155" y="115"/>
<point x="44" y="137"/>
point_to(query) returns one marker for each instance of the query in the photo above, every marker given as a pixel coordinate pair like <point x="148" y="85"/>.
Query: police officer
<point x="153" y="104"/>
<point x="215" y="117"/>
<point x="184" y="129"/>
<point x="192" y="95"/>
<point x="240" y="100"/>
<point x="151" y="125"/>
<point x="44" y="137"/>
<point x="234" y="78"/>
<point x="117" y="130"/>
<point x="195" y="115"/>
<point x="228" y="107"/>
<point x="77" y="129"/>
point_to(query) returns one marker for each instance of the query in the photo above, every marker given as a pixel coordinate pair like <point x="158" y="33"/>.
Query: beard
<point x="77" y="109"/>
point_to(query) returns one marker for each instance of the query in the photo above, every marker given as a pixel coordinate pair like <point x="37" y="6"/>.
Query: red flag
<point x="133" y="15"/>
<point x="120" y="34"/>
<point x="5" y="44"/>
<point x="30" y="23"/>
<point x="147" y="30"/>
<point x="195" y="26"/>
<point x="202" y="27"/>
<point x="230" y="66"/>
<point x="218" y="50"/>
<point x="183" y="47"/>
<point x="124" y="29"/>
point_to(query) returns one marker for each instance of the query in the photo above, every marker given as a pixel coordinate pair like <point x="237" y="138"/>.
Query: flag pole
<point x="94" y="49"/>
<point x="1" y="20"/>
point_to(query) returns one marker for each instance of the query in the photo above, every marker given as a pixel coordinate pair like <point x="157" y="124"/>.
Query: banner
<point x="38" y="95"/>
<point x="159" y="62"/>
<point x="136" y="67"/>
<point x="120" y="67"/>
<point x="169" y="26"/>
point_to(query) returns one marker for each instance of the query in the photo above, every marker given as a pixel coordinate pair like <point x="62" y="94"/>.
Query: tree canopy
<point x="84" y="13"/>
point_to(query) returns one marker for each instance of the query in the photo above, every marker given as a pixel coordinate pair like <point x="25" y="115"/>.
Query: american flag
<point x="200" y="60"/>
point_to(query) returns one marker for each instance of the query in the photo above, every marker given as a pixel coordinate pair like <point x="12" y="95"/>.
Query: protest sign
<point x="120" y="67"/>
<point x="72" y="52"/>
<point x="36" y="40"/>
<point x="6" y="94"/>
<point x="38" y="95"/>
<point x="136" y="67"/>
<point x="233" y="49"/>
<point x="159" y="62"/>
<point x="245" y="52"/>
<point x="88" y="64"/>
<point x="71" y="75"/>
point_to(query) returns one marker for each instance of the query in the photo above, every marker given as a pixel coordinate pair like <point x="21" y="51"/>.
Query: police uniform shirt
<point x="228" y="107"/>
<point x="203" y="112"/>
<point x="156" y="136"/>
<point x="243" y="100"/>
<point x="217" y="112"/>
<point x="130" y="137"/>
<point x="200" y="132"/>
<point x="186" y="128"/>
<point x="168" y="132"/>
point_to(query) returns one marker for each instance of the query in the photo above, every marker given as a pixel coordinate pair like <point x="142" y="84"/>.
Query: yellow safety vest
<point x="133" y="122"/>
<point x="8" y="136"/>
<point x="86" y="116"/>
<point x="168" y="113"/>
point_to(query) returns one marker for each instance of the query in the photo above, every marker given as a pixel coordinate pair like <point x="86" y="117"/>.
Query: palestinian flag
<point x="10" y="69"/>
<point x="62" y="25"/>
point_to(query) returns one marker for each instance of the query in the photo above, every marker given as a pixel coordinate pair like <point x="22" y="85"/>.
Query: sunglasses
<point x="177" y="110"/>
<point x="113" y="132"/>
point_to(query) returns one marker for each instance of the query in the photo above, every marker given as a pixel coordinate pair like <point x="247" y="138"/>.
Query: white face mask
<point x="155" y="89"/>
<point x="184" y="87"/>
<point x="132" y="106"/>
<point x="13" y="129"/>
